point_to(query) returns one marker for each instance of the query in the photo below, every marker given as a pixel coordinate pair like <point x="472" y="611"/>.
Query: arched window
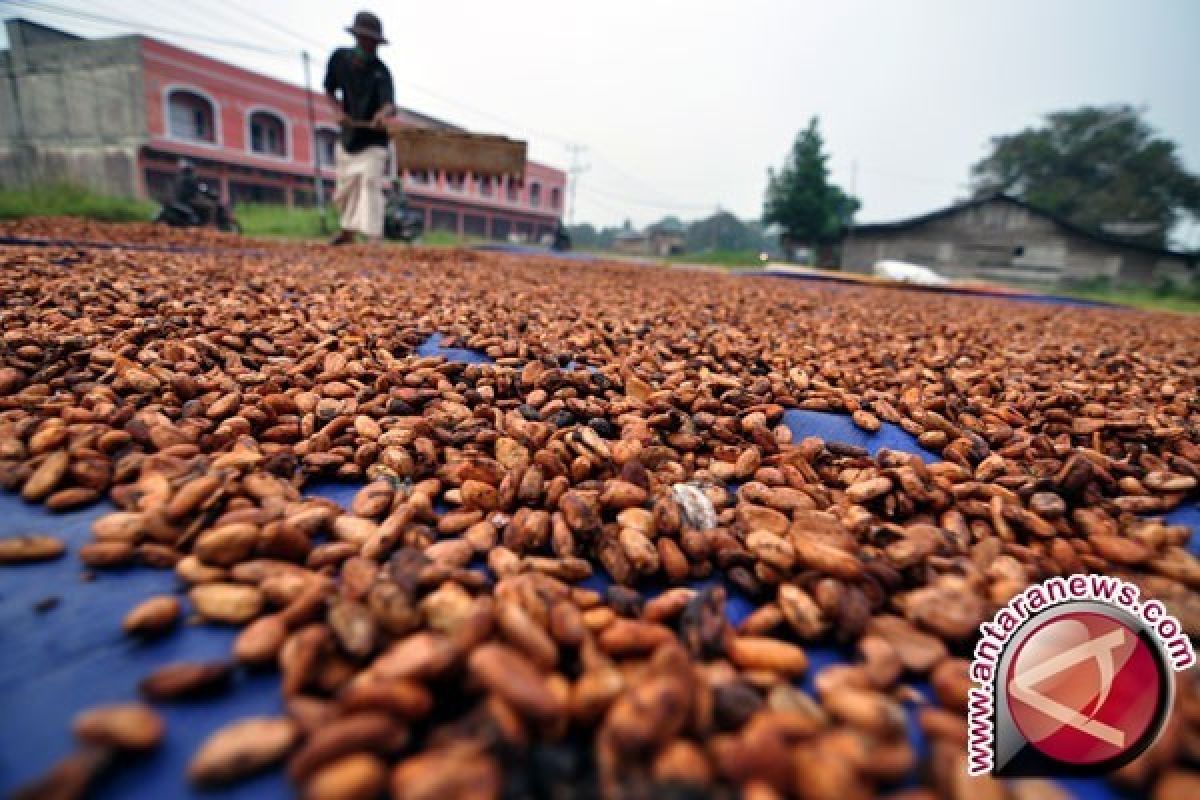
<point x="268" y="134"/>
<point x="513" y="190"/>
<point x="535" y="194"/>
<point x="326" y="141"/>
<point x="191" y="116"/>
<point x="555" y="197"/>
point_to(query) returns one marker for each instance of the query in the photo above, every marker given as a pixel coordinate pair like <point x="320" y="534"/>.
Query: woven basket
<point x="452" y="151"/>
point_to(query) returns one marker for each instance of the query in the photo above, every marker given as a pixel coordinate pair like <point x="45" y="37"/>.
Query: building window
<point x="326" y="145"/>
<point x="455" y="181"/>
<point x="475" y="225"/>
<point x="257" y="193"/>
<point x="555" y="198"/>
<point x="513" y="190"/>
<point x="444" y="221"/>
<point x="535" y="194"/>
<point x="268" y="135"/>
<point x="483" y="184"/>
<point x="191" y="116"/>
<point x="419" y="177"/>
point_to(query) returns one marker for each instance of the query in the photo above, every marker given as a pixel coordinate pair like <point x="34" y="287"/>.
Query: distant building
<point x="117" y="113"/>
<point x="634" y="243"/>
<point x="661" y="240"/>
<point x="1002" y="239"/>
<point x="667" y="238"/>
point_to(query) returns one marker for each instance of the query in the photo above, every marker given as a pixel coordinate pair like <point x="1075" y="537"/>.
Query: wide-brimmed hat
<point x="367" y="24"/>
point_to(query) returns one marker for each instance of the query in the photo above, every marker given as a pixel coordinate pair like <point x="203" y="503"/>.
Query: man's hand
<point x="383" y="115"/>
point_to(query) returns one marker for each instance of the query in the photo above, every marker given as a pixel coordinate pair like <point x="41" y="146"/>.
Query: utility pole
<point x="318" y="183"/>
<point x="577" y="168"/>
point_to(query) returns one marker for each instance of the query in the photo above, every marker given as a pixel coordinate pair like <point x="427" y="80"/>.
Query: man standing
<point x="365" y="103"/>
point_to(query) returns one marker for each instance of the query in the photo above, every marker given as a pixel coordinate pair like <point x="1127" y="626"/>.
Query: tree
<point x="1101" y="168"/>
<point x="671" y="224"/>
<point x="721" y="231"/>
<point x="800" y="199"/>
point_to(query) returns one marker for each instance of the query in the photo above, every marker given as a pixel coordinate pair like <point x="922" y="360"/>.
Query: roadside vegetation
<point x="67" y="200"/>
<point x="731" y="259"/>
<point x="1166" y="295"/>
<point x="284" y="222"/>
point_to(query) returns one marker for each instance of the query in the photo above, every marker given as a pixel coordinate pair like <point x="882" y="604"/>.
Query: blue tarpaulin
<point x="56" y="662"/>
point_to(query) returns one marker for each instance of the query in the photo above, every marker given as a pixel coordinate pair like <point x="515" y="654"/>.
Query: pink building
<point x="247" y="133"/>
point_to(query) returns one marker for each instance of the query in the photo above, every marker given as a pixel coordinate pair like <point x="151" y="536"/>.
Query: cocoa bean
<point x="125" y="726"/>
<point x="185" y="679"/>
<point x="227" y="603"/>
<point x="241" y="749"/>
<point x="506" y="672"/>
<point x="30" y="548"/>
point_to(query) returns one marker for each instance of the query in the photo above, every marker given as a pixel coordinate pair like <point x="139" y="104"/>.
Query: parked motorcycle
<point x="401" y="223"/>
<point x="209" y="212"/>
<point x="562" y="239"/>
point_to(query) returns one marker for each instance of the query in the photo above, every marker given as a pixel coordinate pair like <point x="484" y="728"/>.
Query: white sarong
<point x="359" y="192"/>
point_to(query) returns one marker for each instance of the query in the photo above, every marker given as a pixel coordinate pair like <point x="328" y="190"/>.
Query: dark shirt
<point x="366" y="87"/>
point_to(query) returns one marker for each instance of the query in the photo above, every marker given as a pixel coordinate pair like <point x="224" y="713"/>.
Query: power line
<point x="49" y="8"/>
<point x="272" y="25"/>
<point x="596" y="191"/>
<point x="639" y="181"/>
<point x="309" y="41"/>
<point x="621" y="212"/>
<point x="617" y="196"/>
<point x="180" y="14"/>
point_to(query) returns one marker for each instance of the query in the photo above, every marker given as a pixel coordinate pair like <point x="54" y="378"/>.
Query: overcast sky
<point x="683" y="105"/>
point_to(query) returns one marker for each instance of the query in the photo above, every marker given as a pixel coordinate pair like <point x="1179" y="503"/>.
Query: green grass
<point x="1148" y="299"/>
<point x="289" y="223"/>
<point x="446" y="239"/>
<point x="1165" y="295"/>
<point x="733" y="259"/>
<point x="66" y="200"/>
<point x="305" y="223"/>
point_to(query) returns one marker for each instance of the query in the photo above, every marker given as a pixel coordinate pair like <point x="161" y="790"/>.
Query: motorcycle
<point x="401" y="223"/>
<point x="562" y="240"/>
<point x="214" y="213"/>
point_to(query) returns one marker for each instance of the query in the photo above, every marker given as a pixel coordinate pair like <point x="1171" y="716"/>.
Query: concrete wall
<point x="1003" y="242"/>
<point x="70" y="109"/>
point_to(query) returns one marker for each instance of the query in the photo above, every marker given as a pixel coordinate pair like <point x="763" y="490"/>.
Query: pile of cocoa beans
<point x="434" y="640"/>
